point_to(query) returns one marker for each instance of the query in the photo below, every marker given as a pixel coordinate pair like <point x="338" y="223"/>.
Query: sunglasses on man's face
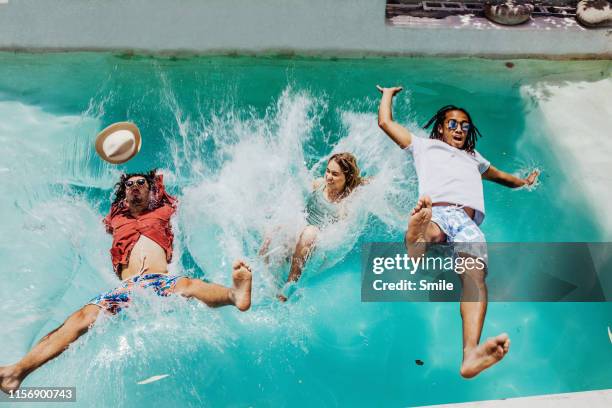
<point x="465" y="126"/>
<point x="131" y="183"/>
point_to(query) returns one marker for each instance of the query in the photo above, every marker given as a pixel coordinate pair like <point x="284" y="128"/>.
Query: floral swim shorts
<point x="115" y="300"/>
<point x="460" y="230"/>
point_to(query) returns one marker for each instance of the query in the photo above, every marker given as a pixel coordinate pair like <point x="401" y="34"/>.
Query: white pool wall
<point x="319" y="27"/>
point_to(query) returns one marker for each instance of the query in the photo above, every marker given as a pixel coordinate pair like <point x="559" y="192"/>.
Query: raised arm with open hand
<point x="509" y="180"/>
<point x="394" y="130"/>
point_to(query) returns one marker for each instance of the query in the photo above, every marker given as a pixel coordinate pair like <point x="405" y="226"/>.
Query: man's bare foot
<point x="10" y="378"/>
<point x="420" y="217"/>
<point x="281" y="297"/>
<point x="485" y="355"/>
<point x="241" y="292"/>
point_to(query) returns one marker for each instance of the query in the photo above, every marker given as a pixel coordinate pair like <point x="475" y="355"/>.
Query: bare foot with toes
<point x="241" y="291"/>
<point x="420" y="217"/>
<point x="485" y="355"/>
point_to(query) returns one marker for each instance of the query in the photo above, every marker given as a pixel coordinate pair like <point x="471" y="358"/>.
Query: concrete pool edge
<point x="318" y="28"/>
<point x="592" y="399"/>
<point x="288" y="53"/>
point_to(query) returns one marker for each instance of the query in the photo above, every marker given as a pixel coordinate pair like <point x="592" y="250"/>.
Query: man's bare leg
<point x="478" y="357"/>
<point x="215" y="295"/>
<point x="49" y="347"/>
<point x="421" y="230"/>
<point x="303" y="249"/>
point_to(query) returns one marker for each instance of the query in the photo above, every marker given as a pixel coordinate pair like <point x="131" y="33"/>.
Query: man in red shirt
<point x="139" y="221"/>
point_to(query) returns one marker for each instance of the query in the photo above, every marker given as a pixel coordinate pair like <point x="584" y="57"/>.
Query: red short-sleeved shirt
<point x="153" y="224"/>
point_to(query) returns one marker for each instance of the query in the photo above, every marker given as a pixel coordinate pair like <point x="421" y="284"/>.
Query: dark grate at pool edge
<point x="441" y="9"/>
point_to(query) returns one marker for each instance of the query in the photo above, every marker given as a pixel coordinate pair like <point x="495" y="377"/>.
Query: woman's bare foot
<point x="485" y="355"/>
<point x="241" y="291"/>
<point x="10" y="378"/>
<point x="420" y="217"/>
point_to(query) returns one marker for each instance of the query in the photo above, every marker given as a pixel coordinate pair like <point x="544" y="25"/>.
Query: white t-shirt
<point x="448" y="174"/>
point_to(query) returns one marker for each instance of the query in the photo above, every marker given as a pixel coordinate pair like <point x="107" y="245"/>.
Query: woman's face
<point x="334" y="177"/>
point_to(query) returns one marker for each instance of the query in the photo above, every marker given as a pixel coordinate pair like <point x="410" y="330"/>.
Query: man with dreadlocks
<point x="139" y="221"/>
<point x="450" y="209"/>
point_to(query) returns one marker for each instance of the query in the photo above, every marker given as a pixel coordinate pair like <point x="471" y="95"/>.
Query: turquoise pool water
<point x="239" y="139"/>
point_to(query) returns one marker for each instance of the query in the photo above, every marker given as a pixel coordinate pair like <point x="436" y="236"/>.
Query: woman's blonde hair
<point x="350" y="169"/>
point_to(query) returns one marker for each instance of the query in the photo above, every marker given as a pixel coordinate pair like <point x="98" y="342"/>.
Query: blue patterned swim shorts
<point x="115" y="300"/>
<point x="460" y="230"/>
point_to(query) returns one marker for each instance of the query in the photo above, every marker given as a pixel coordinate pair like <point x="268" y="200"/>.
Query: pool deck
<point x="287" y="27"/>
<point x="590" y="399"/>
<point x="471" y="22"/>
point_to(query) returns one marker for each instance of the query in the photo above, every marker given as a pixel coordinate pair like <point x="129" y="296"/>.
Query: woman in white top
<point x="450" y="209"/>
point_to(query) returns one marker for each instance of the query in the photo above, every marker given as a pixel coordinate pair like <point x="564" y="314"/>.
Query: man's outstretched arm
<point x="396" y="132"/>
<point x="507" y="179"/>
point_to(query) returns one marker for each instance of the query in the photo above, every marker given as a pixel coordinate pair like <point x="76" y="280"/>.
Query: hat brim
<point x="129" y="126"/>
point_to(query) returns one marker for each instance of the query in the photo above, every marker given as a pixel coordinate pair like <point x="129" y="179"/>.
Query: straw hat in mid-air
<point x="119" y="142"/>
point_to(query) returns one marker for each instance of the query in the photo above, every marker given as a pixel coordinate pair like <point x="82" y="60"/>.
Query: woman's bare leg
<point x="303" y="249"/>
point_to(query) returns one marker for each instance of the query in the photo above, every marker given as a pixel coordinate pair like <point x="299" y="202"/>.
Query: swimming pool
<point x="238" y="139"/>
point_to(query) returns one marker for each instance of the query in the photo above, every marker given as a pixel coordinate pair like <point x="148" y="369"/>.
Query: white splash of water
<point x="260" y="188"/>
<point x="578" y="117"/>
<point x="50" y="239"/>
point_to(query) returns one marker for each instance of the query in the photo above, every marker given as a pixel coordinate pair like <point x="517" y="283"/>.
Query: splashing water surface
<point x="240" y="141"/>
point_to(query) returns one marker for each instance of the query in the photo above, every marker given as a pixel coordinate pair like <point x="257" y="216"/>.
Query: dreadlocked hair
<point x="438" y="120"/>
<point x="348" y="165"/>
<point x="149" y="177"/>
